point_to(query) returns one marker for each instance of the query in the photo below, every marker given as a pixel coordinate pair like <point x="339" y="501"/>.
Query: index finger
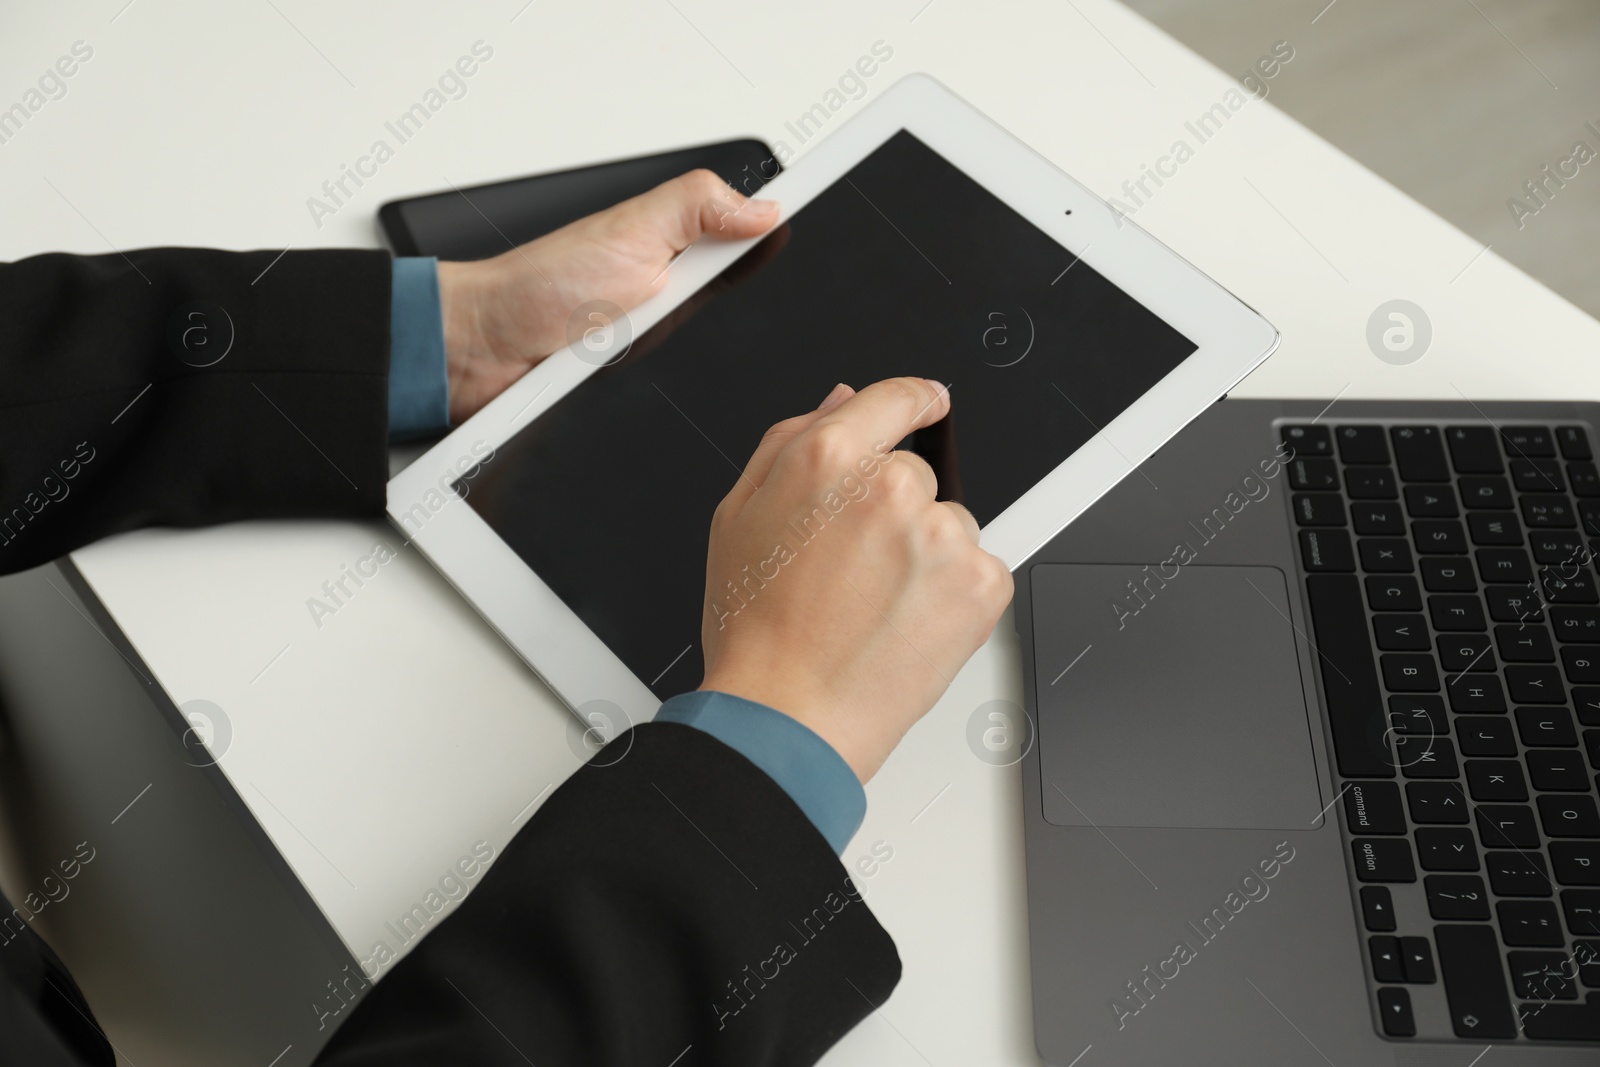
<point x="891" y="409"/>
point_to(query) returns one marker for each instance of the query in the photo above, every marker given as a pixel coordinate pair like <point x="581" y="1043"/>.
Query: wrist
<point x="458" y="285"/>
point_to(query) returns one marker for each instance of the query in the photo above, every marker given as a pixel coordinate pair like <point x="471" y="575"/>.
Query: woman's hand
<point x="504" y="315"/>
<point x="838" y="590"/>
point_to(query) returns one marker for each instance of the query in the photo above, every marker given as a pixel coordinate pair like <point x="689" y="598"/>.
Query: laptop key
<point x="1529" y="923"/>
<point x="1576" y="863"/>
<point x="1563" y="584"/>
<point x="1506" y="826"/>
<point x="1377" y="908"/>
<point x="1439" y="537"/>
<point x="1447" y="574"/>
<point x="1518" y="874"/>
<point x="1308" y="440"/>
<point x="1349" y="676"/>
<point x="1319" y="509"/>
<point x="1474" y="981"/>
<point x="1527" y="441"/>
<point x="1419" y="453"/>
<point x="1582" y="909"/>
<point x="1383" y="859"/>
<point x="1533" y="683"/>
<point x="1418" y="713"/>
<point x="1546" y="512"/>
<point x="1487" y="491"/>
<point x="1556" y="770"/>
<point x="1557" y="546"/>
<point x="1394" y="1008"/>
<point x="1586" y="954"/>
<point x="1401" y="633"/>
<point x="1547" y="726"/>
<point x="1373" y="808"/>
<point x="1377" y="518"/>
<point x="1388" y="593"/>
<point x="1504" y="565"/>
<point x="1589" y="516"/>
<point x="1417" y="956"/>
<point x="1475" y="693"/>
<point x="1456" y="613"/>
<point x="1438" y="803"/>
<point x="1326" y="550"/>
<point x="1542" y="976"/>
<point x="1409" y="672"/>
<point x="1425" y="757"/>
<point x="1387" y="963"/>
<point x="1574" y="623"/>
<point x="1526" y="643"/>
<point x="1385" y="555"/>
<point x="1370" y="483"/>
<point x="1512" y="603"/>
<point x="1430" y="501"/>
<point x="1496" y="780"/>
<point x="1446" y="848"/>
<point x="1456" y="897"/>
<point x="1584" y="479"/>
<point x="1563" y="1022"/>
<point x="1362" y="444"/>
<point x="1473" y="449"/>
<point x="1311" y="472"/>
<point x="1574" y="441"/>
<point x="1485" y="735"/>
<point x="1569" y="815"/>
<point x="1465" y="652"/>
<point x="1586" y="698"/>
<point x="1581" y="663"/>
<point x="1494" y="528"/>
<point x="1537" y="476"/>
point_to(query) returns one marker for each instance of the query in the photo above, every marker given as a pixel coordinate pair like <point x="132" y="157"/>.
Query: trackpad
<point x="1170" y="697"/>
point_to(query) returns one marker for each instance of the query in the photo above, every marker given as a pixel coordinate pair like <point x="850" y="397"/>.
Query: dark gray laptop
<point x="1313" y="774"/>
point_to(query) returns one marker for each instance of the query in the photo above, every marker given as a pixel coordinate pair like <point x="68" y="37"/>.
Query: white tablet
<point x="917" y="238"/>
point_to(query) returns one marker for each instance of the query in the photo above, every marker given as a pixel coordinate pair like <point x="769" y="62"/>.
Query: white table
<point x="376" y="750"/>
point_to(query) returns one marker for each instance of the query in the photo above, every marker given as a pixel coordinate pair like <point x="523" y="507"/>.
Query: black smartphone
<point x="485" y="220"/>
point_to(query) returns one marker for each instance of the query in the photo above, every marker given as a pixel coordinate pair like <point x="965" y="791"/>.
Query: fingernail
<point x="835" y="398"/>
<point x="938" y="387"/>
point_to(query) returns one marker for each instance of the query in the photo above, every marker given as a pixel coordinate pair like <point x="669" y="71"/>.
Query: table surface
<point x="378" y="747"/>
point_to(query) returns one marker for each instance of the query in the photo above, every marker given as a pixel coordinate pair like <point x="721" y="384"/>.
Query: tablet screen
<point x="905" y="266"/>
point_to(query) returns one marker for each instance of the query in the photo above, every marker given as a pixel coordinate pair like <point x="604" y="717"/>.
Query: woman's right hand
<point x="838" y="590"/>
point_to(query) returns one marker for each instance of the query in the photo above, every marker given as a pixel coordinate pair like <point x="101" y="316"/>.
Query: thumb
<point x="700" y="204"/>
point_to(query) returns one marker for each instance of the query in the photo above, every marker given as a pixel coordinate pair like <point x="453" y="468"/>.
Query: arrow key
<point x="1387" y="964"/>
<point x="1417" y="956"/>
<point x="1394" y="1006"/>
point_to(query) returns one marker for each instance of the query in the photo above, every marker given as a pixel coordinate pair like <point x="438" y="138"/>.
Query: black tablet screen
<point x="904" y="266"/>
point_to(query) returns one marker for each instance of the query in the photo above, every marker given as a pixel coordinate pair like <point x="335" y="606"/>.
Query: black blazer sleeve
<point x="108" y="420"/>
<point x="674" y="907"/>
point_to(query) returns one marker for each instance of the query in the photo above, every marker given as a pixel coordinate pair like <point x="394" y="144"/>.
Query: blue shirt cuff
<point x="419" y="389"/>
<point x="805" y="766"/>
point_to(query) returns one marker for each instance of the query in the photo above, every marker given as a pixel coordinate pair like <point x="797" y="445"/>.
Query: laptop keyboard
<point x="1451" y="582"/>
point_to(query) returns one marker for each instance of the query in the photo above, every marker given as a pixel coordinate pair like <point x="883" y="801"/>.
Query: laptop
<point x="1315" y="695"/>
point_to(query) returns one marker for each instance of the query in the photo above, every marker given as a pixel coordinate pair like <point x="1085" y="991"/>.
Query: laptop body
<point x="1256" y="836"/>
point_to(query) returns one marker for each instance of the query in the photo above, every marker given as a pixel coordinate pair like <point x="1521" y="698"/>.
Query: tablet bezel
<point x="1231" y="340"/>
